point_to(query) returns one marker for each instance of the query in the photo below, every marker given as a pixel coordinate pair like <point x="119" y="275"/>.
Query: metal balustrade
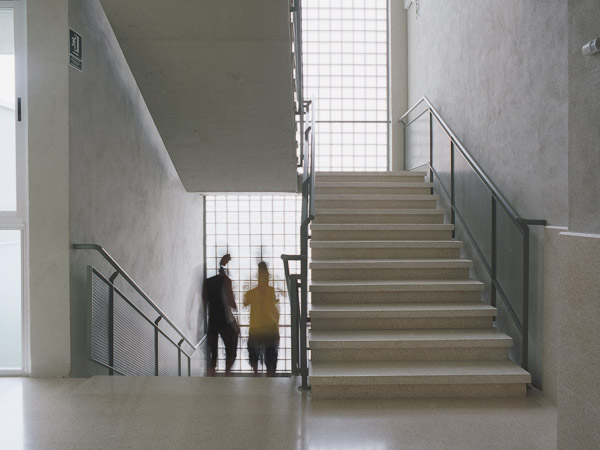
<point x="499" y="236"/>
<point x="123" y="338"/>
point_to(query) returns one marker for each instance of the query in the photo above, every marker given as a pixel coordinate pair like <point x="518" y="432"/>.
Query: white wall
<point x="48" y="115"/>
<point x="124" y="191"/>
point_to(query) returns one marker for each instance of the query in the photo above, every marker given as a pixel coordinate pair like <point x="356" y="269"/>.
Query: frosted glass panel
<point x="8" y="167"/>
<point x="253" y="229"/>
<point x="345" y="66"/>
<point x="10" y="299"/>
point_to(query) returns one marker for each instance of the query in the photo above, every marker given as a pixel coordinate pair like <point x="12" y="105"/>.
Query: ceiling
<point x="217" y="79"/>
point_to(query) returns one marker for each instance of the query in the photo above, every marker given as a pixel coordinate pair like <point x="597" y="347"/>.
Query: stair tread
<point x="404" y="309"/>
<point x="383" y="226"/>
<point x="372" y="184"/>
<point x="391" y="285"/>
<point x="445" y="337"/>
<point x="389" y="263"/>
<point x="385" y="244"/>
<point x="390" y="173"/>
<point x="418" y="372"/>
<point x="375" y="211"/>
<point x="376" y="197"/>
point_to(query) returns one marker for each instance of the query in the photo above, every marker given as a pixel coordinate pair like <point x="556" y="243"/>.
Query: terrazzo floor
<point x="254" y="413"/>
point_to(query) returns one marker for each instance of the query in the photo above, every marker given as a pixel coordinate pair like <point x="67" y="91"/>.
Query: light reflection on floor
<point x="254" y="413"/>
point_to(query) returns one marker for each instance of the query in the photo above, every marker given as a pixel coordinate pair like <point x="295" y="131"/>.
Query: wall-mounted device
<point x="591" y="47"/>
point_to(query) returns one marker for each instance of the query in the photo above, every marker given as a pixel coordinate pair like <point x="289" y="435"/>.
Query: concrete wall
<point x="124" y="191"/>
<point x="584" y="110"/>
<point x="496" y="71"/>
<point x="398" y="80"/>
<point x="578" y="262"/>
<point x="48" y="115"/>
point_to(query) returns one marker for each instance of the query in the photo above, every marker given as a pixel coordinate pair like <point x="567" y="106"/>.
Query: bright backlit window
<point x="345" y="54"/>
<point x="253" y="229"/>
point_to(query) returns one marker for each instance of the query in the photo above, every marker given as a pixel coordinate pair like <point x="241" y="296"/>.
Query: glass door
<point x="13" y="198"/>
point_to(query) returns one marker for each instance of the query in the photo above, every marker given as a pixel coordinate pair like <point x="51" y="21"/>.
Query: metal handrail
<point x="140" y="291"/>
<point x="476" y="167"/>
<point x="296" y="41"/>
<point x="497" y="198"/>
<point x="308" y="208"/>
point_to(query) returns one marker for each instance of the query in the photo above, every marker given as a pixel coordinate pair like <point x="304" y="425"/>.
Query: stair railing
<point x="123" y="338"/>
<point x="299" y="282"/>
<point x="297" y="73"/>
<point x="498" y="234"/>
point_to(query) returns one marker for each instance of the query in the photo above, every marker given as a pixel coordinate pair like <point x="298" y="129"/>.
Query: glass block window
<point x="345" y="53"/>
<point x="253" y="229"/>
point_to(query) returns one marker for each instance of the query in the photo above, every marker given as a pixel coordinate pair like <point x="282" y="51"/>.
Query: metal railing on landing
<point x="124" y="339"/>
<point x="498" y="234"/>
<point x="299" y="282"/>
<point x="297" y="75"/>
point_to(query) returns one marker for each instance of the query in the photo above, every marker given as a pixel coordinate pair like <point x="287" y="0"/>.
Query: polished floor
<point x="254" y="413"/>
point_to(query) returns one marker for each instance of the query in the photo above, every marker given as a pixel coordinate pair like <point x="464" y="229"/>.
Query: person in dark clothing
<point x="217" y="293"/>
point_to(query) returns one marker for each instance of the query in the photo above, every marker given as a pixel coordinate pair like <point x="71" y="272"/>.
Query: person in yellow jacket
<point x="263" y="338"/>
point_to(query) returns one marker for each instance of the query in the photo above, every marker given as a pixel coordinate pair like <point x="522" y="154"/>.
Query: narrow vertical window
<point x="345" y="49"/>
<point x="10" y="300"/>
<point x="8" y="164"/>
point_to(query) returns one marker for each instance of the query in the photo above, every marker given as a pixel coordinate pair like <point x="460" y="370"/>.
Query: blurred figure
<point x="217" y="292"/>
<point x="263" y="338"/>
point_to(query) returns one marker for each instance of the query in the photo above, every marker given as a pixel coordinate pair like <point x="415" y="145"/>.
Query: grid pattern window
<point x="345" y="54"/>
<point x="253" y="229"/>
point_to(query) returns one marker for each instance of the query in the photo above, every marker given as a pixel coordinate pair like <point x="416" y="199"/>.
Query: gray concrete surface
<point x="584" y="110"/>
<point x="124" y="191"/>
<point x="217" y="79"/>
<point x="398" y="48"/>
<point x="48" y="115"/>
<point x="497" y="72"/>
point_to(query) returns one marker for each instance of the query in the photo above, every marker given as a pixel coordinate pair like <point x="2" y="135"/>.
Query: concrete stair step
<point x="427" y="201"/>
<point x="403" y="345"/>
<point x="325" y="250"/>
<point x="375" y="339"/>
<point x="404" y="310"/>
<point x="448" y="378"/>
<point x="370" y="269"/>
<point x="378" y="215"/>
<point x="401" y="316"/>
<point x="403" y="291"/>
<point x="378" y="232"/>
<point x="397" y="176"/>
<point x="353" y="187"/>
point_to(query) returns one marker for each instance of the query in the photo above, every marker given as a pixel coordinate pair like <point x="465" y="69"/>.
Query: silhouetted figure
<point x="218" y="293"/>
<point x="263" y="338"/>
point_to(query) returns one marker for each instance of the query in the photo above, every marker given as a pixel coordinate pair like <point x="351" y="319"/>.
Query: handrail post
<point x="111" y="323"/>
<point x="452" y="190"/>
<point x="525" y="336"/>
<point x="179" y="357"/>
<point x="494" y="254"/>
<point x="156" y="345"/>
<point x="430" y="146"/>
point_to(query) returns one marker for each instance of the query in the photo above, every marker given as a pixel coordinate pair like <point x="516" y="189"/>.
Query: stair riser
<point x="385" y="235"/>
<point x="385" y="253"/>
<point x="424" y="190"/>
<point x="417" y="390"/>
<point x="379" y="218"/>
<point x="409" y="354"/>
<point x="404" y="323"/>
<point x="409" y="204"/>
<point x="390" y="274"/>
<point x="397" y="297"/>
<point x="369" y="179"/>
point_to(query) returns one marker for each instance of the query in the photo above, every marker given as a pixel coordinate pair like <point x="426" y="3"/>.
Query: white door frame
<point x="19" y="220"/>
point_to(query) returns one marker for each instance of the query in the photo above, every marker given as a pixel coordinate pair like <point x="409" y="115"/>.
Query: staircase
<point x="394" y="312"/>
